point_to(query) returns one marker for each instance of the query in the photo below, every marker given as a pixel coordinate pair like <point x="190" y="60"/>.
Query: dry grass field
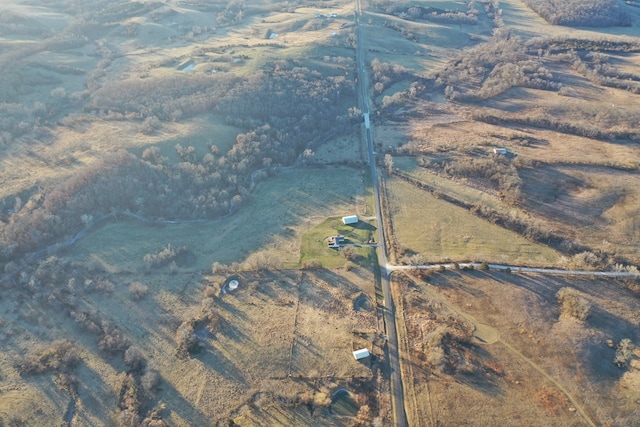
<point x="498" y="342"/>
<point x="543" y="366"/>
<point x="440" y="231"/>
<point x="171" y="344"/>
<point x="276" y="340"/>
<point x="571" y="144"/>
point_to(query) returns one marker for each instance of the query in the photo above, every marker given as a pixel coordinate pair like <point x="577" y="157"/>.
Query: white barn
<point x="351" y="219"/>
<point x="363" y="353"/>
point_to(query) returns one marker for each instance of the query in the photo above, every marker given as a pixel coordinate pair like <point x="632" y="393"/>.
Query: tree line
<point x="581" y="13"/>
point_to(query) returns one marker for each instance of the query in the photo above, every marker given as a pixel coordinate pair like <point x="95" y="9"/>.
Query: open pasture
<point x="276" y="335"/>
<point x="328" y="303"/>
<point x="438" y="230"/>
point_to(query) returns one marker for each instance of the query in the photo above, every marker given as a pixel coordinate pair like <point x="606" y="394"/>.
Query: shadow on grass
<point x="597" y="355"/>
<point x="336" y="281"/>
<point x="480" y="379"/>
<point x="221" y="364"/>
<point x="303" y="350"/>
<point x="175" y="402"/>
<point x="92" y="392"/>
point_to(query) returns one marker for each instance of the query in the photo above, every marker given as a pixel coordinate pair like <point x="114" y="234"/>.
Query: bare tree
<point x="388" y="163"/>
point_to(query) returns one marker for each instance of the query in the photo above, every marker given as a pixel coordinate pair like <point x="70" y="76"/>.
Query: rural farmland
<point x="319" y="213"/>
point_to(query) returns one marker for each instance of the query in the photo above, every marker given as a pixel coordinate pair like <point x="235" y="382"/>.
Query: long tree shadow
<point x="480" y="378"/>
<point x="175" y="402"/>
<point x="339" y="282"/>
<point x="223" y="365"/>
<point x="597" y="355"/>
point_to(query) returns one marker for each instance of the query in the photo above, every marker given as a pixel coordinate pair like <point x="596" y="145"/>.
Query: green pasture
<point x="315" y="247"/>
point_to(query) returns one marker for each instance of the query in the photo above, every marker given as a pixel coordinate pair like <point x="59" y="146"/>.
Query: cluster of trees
<point x="545" y="121"/>
<point x="581" y="13"/>
<point x="234" y="12"/>
<point x="624" y="353"/>
<point x="110" y="338"/>
<point x="286" y="111"/>
<point x="495" y="171"/>
<point x="442" y="346"/>
<point x="597" y="67"/>
<point x="433" y="14"/>
<point x="164" y="257"/>
<point x="207" y="321"/>
<point x="266" y="96"/>
<point x="553" y="45"/>
<point x="442" y="336"/>
<point x="59" y="356"/>
<point x="386" y="74"/>
<point x="573" y="304"/>
<point x="491" y="68"/>
<point x="138" y="388"/>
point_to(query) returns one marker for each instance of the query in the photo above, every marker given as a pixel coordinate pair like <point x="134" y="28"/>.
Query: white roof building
<point x="351" y="219"/>
<point x="361" y="354"/>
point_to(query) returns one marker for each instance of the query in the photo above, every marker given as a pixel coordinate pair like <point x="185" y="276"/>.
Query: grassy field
<point x="458" y="190"/>
<point x="272" y="222"/>
<point x="532" y="340"/>
<point x="439" y="230"/>
<point x="327" y="302"/>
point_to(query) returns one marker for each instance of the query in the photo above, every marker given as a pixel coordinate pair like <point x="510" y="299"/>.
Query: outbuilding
<point x="351" y="219"/>
<point x="363" y="353"/>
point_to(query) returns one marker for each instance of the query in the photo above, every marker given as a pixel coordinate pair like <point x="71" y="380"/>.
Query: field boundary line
<point x="295" y="323"/>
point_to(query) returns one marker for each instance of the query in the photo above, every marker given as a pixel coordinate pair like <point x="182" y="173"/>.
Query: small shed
<point x="363" y="353"/>
<point x="351" y="219"/>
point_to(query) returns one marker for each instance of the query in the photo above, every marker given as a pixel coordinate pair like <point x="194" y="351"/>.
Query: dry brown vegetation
<point x="531" y="129"/>
<point x="531" y="340"/>
<point x="104" y="128"/>
<point x="189" y="359"/>
<point x="568" y="150"/>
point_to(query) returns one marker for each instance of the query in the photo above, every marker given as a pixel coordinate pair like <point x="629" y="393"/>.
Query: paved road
<point x="397" y="393"/>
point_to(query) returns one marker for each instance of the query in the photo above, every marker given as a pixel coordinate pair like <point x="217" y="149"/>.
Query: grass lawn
<point x="315" y="247"/>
